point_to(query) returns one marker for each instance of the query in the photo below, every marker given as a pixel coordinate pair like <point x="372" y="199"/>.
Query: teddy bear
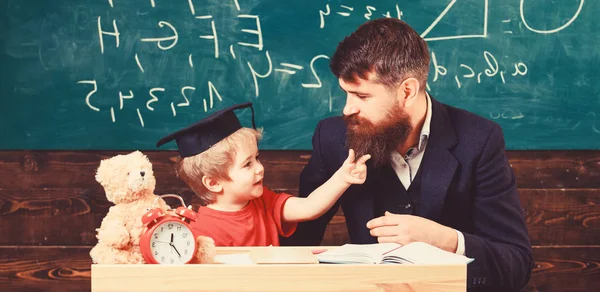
<point x="129" y="182"/>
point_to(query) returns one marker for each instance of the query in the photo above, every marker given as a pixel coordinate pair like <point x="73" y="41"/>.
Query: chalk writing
<point x="346" y="11"/>
<point x="89" y="95"/>
<point x="137" y="61"/>
<point x="312" y="68"/>
<point x="347" y="8"/>
<point x="159" y="41"/>
<point x="154" y="97"/>
<point x="524" y="20"/>
<point x="101" y="34"/>
<point x="289" y="71"/>
<point x="465" y="71"/>
<point x="213" y="36"/>
<point x="256" y="75"/>
<point x="185" y="103"/>
<point x="483" y="34"/>
<point x="122" y="97"/>
<point x="139" y="115"/>
<point x="256" y="31"/>
<point x="169" y="41"/>
<point x="192" y="9"/>
<point x="265" y="62"/>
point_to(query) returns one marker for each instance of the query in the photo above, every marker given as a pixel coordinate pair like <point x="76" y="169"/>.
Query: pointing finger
<point x="351" y="157"/>
<point x="364" y="159"/>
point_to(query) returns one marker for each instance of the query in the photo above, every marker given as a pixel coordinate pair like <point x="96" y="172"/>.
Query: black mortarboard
<point x="202" y="135"/>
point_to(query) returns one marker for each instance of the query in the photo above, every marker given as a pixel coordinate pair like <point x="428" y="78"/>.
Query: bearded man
<point x="438" y="174"/>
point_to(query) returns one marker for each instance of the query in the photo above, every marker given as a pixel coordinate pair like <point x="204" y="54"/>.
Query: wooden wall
<point x="50" y="205"/>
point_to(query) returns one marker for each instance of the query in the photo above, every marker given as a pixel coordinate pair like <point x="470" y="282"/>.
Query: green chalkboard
<point x="68" y="81"/>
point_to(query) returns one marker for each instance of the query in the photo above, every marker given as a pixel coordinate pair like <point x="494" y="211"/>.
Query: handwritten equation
<point x="466" y="72"/>
<point x="461" y="75"/>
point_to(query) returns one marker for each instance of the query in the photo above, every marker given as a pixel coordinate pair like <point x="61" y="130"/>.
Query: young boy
<point x="220" y="164"/>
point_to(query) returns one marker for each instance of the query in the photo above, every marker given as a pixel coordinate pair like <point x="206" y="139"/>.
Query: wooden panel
<point x="556" y="169"/>
<point x="55" y="216"/>
<point x="50" y="217"/>
<point x="74" y="169"/>
<point x="68" y="269"/>
<point x="562" y="217"/>
<point x="553" y="217"/>
<point x="24" y="170"/>
<point x="45" y="269"/>
<point x="58" y="216"/>
<point x="70" y="216"/>
<point x="52" y="198"/>
<point x="58" y="188"/>
<point x="568" y="269"/>
<point x="336" y="232"/>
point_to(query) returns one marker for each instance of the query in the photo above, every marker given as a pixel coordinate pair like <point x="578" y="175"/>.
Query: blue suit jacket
<point x="466" y="184"/>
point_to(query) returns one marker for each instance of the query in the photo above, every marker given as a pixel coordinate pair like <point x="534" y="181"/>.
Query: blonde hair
<point x="214" y="162"/>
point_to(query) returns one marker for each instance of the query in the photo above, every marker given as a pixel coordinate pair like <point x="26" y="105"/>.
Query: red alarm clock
<point x="168" y="238"/>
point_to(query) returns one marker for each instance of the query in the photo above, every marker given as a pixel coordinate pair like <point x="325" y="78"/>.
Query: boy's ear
<point x="212" y="184"/>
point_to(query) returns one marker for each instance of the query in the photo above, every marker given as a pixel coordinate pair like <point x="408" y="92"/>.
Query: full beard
<point x="378" y="140"/>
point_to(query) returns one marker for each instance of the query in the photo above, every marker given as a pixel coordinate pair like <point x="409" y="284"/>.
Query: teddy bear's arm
<point x="206" y="250"/>
<point x="113" y="231"/>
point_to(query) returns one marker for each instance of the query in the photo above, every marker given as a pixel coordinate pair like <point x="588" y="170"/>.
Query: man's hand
<point x="404" y="229"/>
<point x="353" y="172"/>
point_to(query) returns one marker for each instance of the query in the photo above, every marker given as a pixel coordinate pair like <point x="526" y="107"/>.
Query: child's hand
<point x="354" y="172"/>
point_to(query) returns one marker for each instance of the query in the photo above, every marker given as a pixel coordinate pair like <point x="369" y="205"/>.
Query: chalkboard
<point x="120" y="74"/>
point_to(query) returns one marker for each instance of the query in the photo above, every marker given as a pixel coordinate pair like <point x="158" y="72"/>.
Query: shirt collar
<point x="422" y="138"/>
<point x="426" y="125"/>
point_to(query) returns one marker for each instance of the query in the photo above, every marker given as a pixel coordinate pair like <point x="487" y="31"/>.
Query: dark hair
<point x="387" y="47"/>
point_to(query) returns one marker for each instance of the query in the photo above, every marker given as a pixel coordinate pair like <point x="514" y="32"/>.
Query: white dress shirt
<point x="406" y="167"/>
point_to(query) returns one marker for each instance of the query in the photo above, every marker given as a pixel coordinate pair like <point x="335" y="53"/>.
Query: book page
<point x="423" y="253"/>
<point x="357" y="253"/>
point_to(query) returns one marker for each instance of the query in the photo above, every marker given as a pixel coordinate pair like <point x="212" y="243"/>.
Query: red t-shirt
<point x="258" y="224"/>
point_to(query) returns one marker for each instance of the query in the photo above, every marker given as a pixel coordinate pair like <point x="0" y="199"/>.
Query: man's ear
<point x="408" y="91"/>
<point x="212" y="184"/>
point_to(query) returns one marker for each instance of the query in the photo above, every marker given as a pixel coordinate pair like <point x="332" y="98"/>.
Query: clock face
<point x="172" y="243"/>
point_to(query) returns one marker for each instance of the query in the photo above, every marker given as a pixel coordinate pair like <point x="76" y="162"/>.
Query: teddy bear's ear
<point x="141" y="155"/>
<point x="101" y="172"/>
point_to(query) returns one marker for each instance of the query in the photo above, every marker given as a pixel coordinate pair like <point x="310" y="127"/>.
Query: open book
<point x="391" y="253"/>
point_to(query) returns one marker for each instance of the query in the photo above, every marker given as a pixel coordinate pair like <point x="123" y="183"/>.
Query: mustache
<point x="379" y="140"/>
<point x="355" y="120"/>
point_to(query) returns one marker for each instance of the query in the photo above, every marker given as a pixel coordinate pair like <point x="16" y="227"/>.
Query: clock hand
<point x="173" y="245"/>
<point x="176" y="250"/>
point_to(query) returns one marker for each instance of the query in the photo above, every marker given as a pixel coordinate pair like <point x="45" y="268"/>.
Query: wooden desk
<point x="278" y="277"/>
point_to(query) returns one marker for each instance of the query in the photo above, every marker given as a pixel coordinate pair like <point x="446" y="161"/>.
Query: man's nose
<point x="350" y="108"/>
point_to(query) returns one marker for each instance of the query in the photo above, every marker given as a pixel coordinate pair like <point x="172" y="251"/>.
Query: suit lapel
<point x="438" y="165"/>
